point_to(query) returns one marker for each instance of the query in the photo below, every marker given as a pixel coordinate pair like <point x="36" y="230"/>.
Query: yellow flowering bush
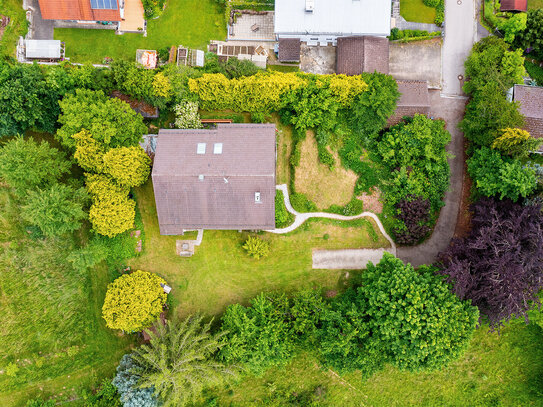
<point x="134" y="301"/>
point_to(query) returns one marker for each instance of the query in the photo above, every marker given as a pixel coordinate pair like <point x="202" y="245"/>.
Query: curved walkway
<point x="300" y="218"/>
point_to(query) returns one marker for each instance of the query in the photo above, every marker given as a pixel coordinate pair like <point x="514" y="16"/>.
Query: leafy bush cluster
<point x="134" y="301"/>
<point x="33" y="172"/>
<point x="414" y="153"/>
<point x="232" y="68"/>
<point x="493" y="124"/>
<point x="397" y="315"/>
<point x="531" y="38"/>
<point x="414" y="212"/>
<point x="499" y="265"/>
<point x="153" y="8"/>
<point x="105" y="134"/>
<point x="397" y="34"/>
<point x="283" y="218"/>
<point x="127" y="383"/>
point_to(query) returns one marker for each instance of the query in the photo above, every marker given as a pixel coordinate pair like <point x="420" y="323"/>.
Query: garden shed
<point x="222" y="178"/>
<point x="414" y="98"/>
<point x="357" y="54"/>
<point x="43" y="49"/>
<point x="513" y="5"/>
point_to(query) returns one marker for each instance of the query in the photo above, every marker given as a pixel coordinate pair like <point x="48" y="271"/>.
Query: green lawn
<point x="535" y="4"/>
<point x="17" y="26"/>
<point x="184" y="22"/>
<point x="502" y="370"/>
<point x="220" y="273"/>
<point x="417" y="11"/>
<point x="50" y="324"/>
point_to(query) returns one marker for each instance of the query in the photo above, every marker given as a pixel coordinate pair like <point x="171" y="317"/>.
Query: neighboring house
<point x="530" y="100"/>
<point x="215" y="179"/>
<point x="513" y="5"/>
<point x="321" y="22"/>
<point x="414" y="98"/>
<point x="84" y="11"/>
<point x="357" y="54"/>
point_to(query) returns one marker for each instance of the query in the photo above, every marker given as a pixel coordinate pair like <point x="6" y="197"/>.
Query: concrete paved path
<point x="336" y="259"/>
<point x="348" y="259"/>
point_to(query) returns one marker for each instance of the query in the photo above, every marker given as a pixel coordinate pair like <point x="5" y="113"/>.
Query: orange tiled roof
<point x="76" y="10"/>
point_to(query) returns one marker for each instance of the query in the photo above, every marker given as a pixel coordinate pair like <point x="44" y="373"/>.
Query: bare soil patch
<point x="372" y="201"/>
<point x="321" y="185"/>
<point x="463" y="222"/>
<point x="4" y="21"/>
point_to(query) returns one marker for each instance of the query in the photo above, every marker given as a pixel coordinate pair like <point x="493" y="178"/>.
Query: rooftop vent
<point x="201" y="177"/>
<point x="201" y="149"/>
<point x="309" y="6"/>
<point x="257" y="197"/>
<point x="217" y="148"/>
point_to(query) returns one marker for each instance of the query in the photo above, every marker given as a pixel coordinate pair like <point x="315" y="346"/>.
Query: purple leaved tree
<point x="499" y="266"/>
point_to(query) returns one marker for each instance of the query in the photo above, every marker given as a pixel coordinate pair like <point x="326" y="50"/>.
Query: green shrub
<point x="256" y="247"/>
<point x="300" y="203"/>
<point x="283" y="218"/>
<point x="354" y="207"/>
<point x="12" y="369"/>
<point x="326" y="157"/>
<point x="296" y="155"/>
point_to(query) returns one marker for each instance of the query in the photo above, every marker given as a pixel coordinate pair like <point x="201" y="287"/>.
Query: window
<point x="201" y="149"/>
<point x="217" y="148"/>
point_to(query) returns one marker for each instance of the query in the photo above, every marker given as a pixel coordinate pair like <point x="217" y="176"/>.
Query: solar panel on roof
<point x="104" y="4"/>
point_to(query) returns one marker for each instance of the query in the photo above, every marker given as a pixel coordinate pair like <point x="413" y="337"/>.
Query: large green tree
<point x="487" y="113"/>
<point x="491" y="61"/>
<point x="25" y="99"/>
<point x="532" y="37"/>
<point x="110" y="121"/>
<point x="499" y="175"/>
<point x="179" y="361"/>
<point x="26" y="164"/>
<point x="56" y="210"/>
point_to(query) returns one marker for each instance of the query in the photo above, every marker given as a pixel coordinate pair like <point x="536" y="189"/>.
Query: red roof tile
<point x="530" y="99"/>
<point x="76" y="10"/>
<point x="513" y="5"/>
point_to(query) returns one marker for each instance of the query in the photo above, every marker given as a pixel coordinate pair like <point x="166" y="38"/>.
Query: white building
<point x="319" y="22"/>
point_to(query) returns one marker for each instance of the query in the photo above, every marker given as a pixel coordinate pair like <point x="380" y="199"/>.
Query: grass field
<point x="191" y="23"/>
<point x="17" y="26"/>
<point x="535" y="4"/>
<point x="417" y="11"/>
<point x="502" y="370"/>
<point x="321" y="185"/>
<point x="220" y="273"/>
<point x="50" y="325"/>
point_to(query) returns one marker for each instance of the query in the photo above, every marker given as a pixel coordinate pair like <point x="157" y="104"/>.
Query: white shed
<point x="42" y="49"/>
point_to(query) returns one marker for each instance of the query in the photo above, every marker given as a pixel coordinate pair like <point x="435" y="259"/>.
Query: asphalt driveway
<point x="41" y="29"/>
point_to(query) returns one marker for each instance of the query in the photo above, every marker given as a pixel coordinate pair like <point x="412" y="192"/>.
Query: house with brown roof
<point x="289" y="50"/>
<point x="530" y="100"/>
<point x="513" y="5"/>
<point x="357" y="54"/>
<point x="414" y="99"/>
<point x="222" y="178"/>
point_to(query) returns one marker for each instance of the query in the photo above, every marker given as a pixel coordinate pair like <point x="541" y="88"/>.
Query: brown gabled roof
<point x="414" y="98"/>
<point x="513" y="5"/>
<point x="530" y="99"/>
<point x="215" y="191"/>
<point x="289" y="50"/>
<point x="357" y="54"/>
<point x="76" y="10"/>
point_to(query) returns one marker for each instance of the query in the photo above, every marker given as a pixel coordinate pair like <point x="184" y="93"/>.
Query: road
<point x="460" y="35"/>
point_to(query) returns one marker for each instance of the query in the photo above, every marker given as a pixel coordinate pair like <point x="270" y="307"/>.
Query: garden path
<point x="336" y="259"/>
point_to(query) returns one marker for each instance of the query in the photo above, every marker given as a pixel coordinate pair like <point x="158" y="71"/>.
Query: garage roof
<point x="42" y="49"/>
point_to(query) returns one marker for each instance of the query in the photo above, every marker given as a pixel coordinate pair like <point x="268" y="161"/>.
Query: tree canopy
<point x="499" y="266"/>
<point x="179" y="361"/>
<point x="133" y="301"/>
<point x="26" y="164"/>
<point x="110" y="121"/>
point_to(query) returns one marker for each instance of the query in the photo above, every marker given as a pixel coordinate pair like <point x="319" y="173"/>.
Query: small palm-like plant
<point x="256" y="248"/>
<point x="179" y="361"/>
